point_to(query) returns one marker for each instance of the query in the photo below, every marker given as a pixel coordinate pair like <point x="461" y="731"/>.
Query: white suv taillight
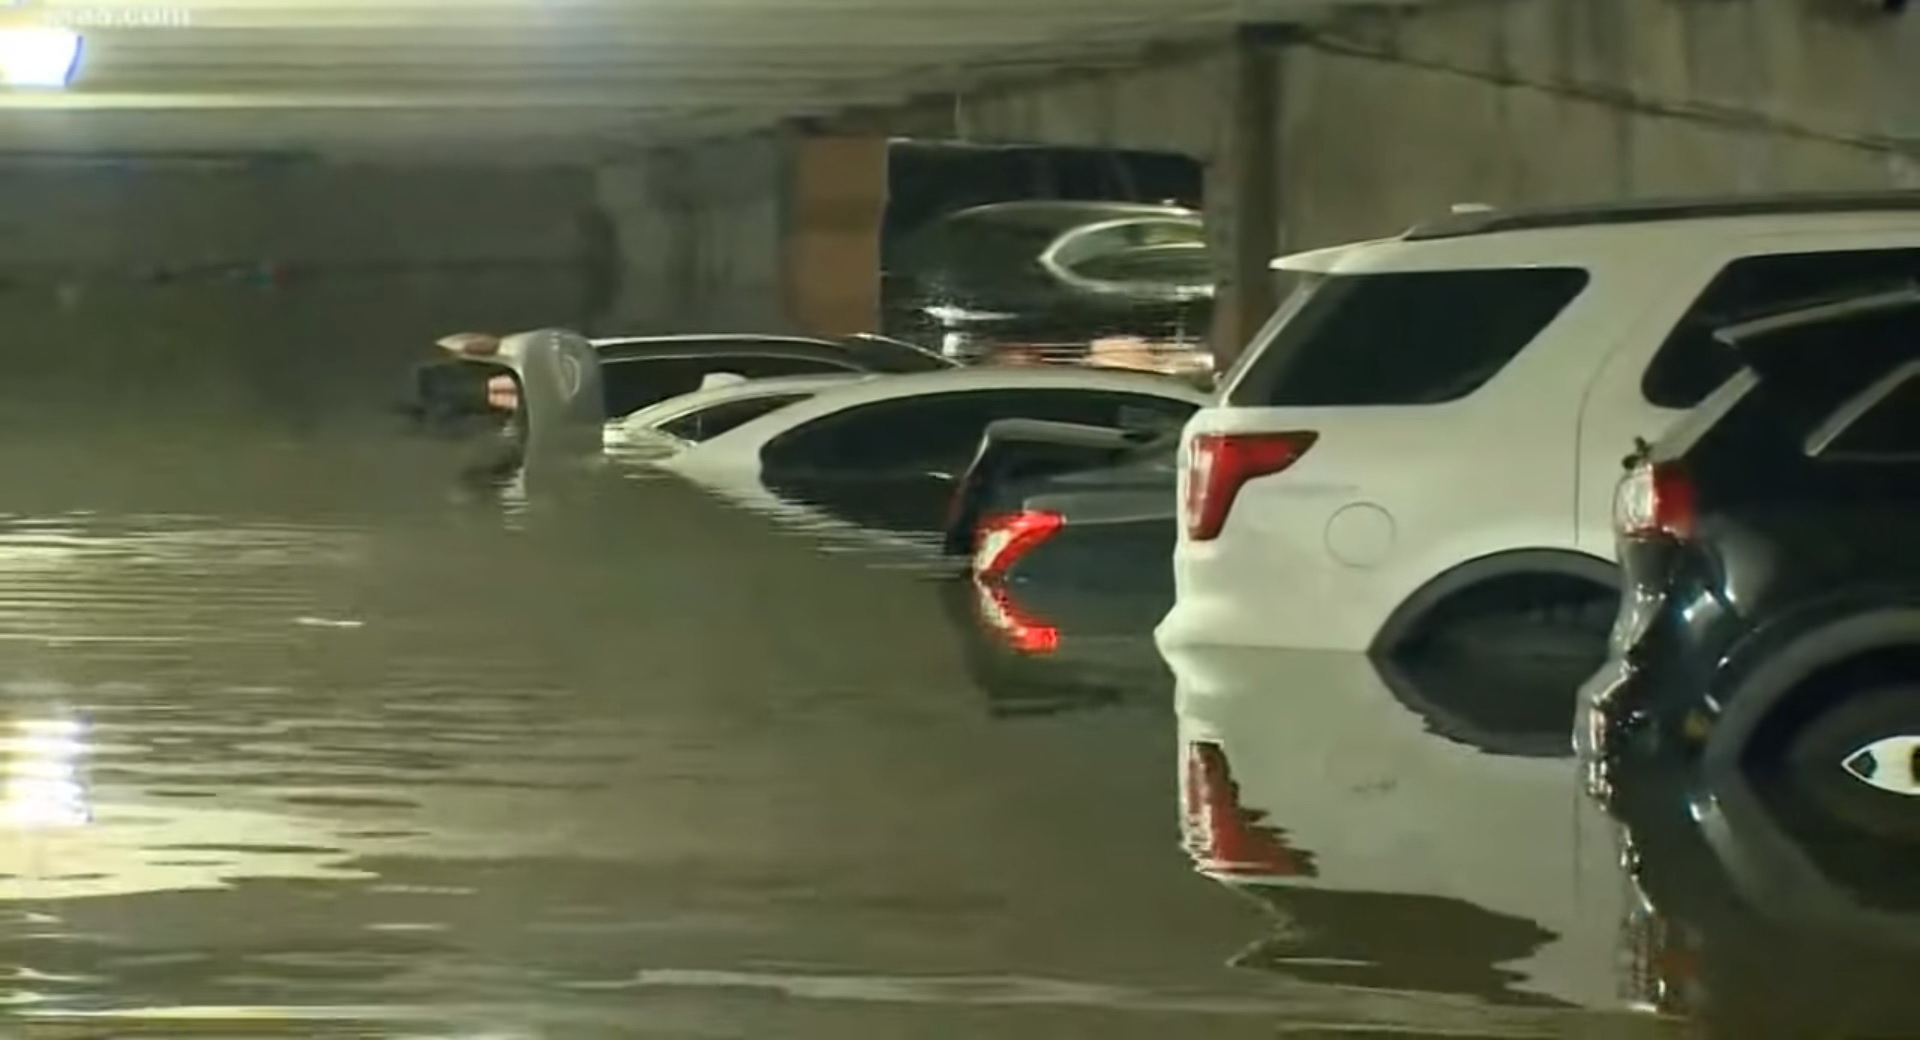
<point x="1655" y="500"/>
<point x="1218" y="464"/>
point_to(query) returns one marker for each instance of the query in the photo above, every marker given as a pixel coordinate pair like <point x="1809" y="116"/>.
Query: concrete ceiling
<point x="541" y="79"/>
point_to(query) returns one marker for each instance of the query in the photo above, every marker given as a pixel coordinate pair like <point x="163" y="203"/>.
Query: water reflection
<point x="1736" y="928"/>
<point x="44" y="786"/>
<point x="623" y="760"/>
<point x="1305" y="773"/>
<point x="408" y="766"/>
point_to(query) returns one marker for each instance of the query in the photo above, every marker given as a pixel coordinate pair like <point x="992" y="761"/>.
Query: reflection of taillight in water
<point x="1225" y="838"/>
<point x="1219" y="464"/>
<point x="1662" y="973"/>
<point x="1020" y="630"/>
<point x="1002" y="539"/>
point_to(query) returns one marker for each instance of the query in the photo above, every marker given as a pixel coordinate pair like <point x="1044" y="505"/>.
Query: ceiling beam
<point x="257" y="101"/>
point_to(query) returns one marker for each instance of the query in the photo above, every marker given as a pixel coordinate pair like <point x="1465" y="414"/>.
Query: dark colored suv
<point x="1767" y="649"/>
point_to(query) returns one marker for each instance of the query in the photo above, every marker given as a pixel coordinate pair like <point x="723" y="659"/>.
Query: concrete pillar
<point x="836" y="204"/>
<point x="1243" y="196"/>
<point x="638" y="199"/>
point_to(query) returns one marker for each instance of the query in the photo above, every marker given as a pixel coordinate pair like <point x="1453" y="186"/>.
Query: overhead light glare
<point x="39" y="57"/>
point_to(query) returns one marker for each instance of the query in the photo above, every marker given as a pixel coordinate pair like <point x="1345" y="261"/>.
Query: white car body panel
<point x="661" y="413"/>
<point x="738" y="450"/>
<point x="1527" y="461"/>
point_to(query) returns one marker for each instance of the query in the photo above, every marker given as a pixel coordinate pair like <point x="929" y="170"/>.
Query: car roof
<point x="984" y="377"/>
<point x="1064" y="213"/>
<point x="1635" y="238"/>
<point x="716" y="340"/>
<point x="1482" y="220"/>
<point x="707" y="397"/>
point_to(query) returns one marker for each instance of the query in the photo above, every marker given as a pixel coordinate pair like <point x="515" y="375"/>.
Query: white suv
<point x="1428" y="433"/>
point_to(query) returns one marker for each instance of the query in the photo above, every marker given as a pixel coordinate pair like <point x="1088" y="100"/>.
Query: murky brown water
<point x="302" y="742"/>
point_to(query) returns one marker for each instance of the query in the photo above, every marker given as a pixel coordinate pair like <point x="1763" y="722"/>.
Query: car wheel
<point x="1857" y="762"/>
<point x="1553" y="629"/>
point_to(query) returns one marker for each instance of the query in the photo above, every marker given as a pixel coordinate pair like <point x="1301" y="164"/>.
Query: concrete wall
<point x="1388" y="118"/>
<point x="124" y="291"/>
<point x="1364" y="124"/>
<point x="702" y="234"/>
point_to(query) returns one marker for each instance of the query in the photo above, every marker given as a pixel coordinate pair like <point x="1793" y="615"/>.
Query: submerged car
<point x="886" y="453"/>
<point x="1066" y="572"/>
<point x="1768" y="645"/>
<point x="515" y="399"/>
<point x="1045" y="280"/>
<point x="724" y="402"/>
<point x="639" y="371"/>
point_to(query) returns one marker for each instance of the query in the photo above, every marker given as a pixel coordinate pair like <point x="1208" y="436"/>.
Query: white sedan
<point x="885" y="452"/>
<point x="720" y="405"/>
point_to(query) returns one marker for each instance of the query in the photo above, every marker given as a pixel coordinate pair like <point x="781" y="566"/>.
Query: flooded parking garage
<point x="307" y="730"/>
<point x="631" y="762"/>
<point x="625" y="760"/>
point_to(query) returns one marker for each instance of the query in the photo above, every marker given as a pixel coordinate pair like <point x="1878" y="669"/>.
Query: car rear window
<point x="713" y="421"/>
<point x="1401" y="338"/>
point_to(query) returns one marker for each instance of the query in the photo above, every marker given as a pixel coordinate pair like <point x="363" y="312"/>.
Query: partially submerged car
<point x="886" y="453"/>
<point x="519" y="398"/>
<point x="640" y="371"/>
<point x="1068" y="571"/>
<point x="1768" y="646"/>
<point x="1046" y="279"/>
<point x="723" y="402"/>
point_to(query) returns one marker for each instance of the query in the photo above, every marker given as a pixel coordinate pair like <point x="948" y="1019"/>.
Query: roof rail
<point x="1462" y="223"/>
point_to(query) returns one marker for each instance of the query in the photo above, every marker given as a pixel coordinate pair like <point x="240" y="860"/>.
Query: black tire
<point x="1813" y="761"/>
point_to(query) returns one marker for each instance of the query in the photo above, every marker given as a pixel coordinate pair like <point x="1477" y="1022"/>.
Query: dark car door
<point x="892" y="464"/>
<point x="637" y="380"/>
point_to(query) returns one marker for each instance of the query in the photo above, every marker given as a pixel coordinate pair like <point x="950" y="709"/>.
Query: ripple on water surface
<point x="632" y="765"/>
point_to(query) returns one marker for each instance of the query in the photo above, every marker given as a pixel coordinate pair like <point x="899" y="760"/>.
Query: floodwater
<point x="302" y="739"/>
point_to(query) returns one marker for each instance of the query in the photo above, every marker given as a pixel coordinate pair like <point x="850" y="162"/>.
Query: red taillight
<point x="1219" y="463"/>
<point x="1222" y="836"/>
<point x="1656" y="500"/>
<point x="1003" y="539"/>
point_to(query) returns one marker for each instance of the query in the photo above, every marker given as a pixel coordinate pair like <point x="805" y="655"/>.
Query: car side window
<point x="943" y="430"/>
<point x="1691" y="363"/>
<point x="718" y="419"/>
<point x="631" y="384"/>
<point x="634" y="383"/>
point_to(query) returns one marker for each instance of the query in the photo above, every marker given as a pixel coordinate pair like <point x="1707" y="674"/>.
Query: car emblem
<point x="1891" y="764"/>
